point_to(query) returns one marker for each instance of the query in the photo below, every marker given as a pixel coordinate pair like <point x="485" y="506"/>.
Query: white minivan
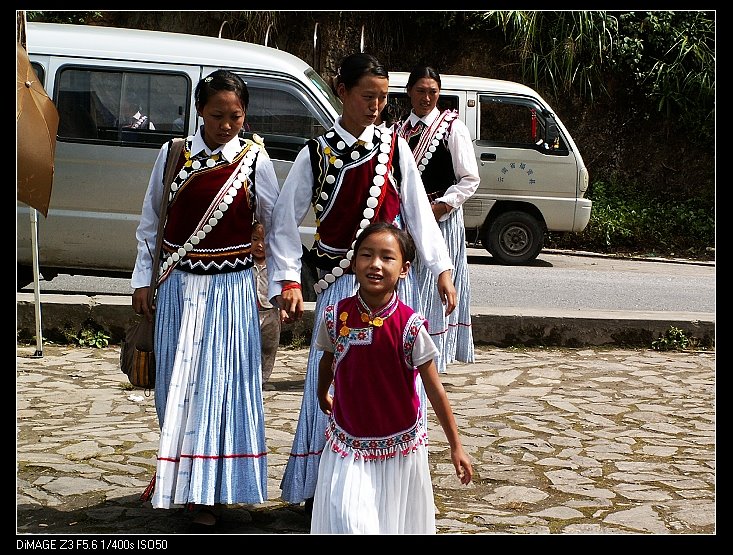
<point x="533" y="179"/>
<point x="102" y="167"/>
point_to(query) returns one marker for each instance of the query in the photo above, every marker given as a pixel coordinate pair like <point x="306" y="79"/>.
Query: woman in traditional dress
<point x="208" y="393"/>
<point x="354" y="174"/>
<point x="443" y="150"/>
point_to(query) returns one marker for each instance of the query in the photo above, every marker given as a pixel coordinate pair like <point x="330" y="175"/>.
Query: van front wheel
<point x="514" y="238"/>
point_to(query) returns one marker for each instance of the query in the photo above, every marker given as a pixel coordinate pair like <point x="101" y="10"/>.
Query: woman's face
<point x="424" y="96"/>
<point x="363" y="103"/>
<point x="223" y="117"/>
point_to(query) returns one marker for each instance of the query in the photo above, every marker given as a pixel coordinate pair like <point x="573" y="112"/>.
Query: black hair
<point x="404" y="239"/>
<point x="356" y="66"/>
<point x="422" y="72"/>
<point x="221" y="80"/>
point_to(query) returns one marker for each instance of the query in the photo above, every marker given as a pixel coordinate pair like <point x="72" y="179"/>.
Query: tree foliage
<point x="665" y="58"/>
<point x="569" y="50"/>
<point x="671" y="59"/>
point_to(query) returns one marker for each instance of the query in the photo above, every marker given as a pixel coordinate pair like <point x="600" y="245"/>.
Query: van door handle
<point x="487" y="157"/>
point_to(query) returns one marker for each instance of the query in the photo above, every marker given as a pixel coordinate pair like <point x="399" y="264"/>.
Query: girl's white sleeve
<point x="323" y="341"/>
<point x="424" y="348"/>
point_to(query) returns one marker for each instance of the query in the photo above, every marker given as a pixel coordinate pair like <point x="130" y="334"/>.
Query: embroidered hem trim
<point x="378" y="448"/>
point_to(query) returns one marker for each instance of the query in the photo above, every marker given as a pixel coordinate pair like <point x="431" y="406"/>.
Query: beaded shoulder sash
<point x="334" y="159"/>
<point x="430" y="138"/>
<point x="220" y="203"/>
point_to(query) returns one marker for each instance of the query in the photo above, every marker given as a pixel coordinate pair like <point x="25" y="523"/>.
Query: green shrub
<point x="674" y="339"/>
<point x="623" y="221"/>
<point x="91" y="335"/>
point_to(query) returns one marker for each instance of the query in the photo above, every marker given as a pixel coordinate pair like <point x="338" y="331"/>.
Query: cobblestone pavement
<point x="586" y="441"/>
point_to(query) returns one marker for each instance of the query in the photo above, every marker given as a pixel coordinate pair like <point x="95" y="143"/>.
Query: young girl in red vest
<point x="374" y="476"/>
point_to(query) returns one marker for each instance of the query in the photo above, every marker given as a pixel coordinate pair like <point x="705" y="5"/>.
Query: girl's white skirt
<point x="301" y="472"/>
<point x="393" y="495"/>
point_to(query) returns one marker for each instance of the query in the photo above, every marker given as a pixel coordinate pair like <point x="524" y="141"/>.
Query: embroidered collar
<point x="367" y="136"/>
<point x="427" y="119"/>
<point x="199" y="149"/>
<point x="375" y="318"/>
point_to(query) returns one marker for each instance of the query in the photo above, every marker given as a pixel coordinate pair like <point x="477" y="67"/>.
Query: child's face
<point x="258" y="244"/>
<point x="223" y="117"/>
<point x="378" y="265"/>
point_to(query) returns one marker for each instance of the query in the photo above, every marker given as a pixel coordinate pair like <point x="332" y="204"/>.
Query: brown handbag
<point x="137" y="358"/>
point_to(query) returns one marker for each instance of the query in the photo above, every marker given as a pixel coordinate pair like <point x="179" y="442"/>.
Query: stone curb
<point x="501" y="327"/>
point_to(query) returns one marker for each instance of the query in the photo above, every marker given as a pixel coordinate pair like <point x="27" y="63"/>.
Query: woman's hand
<point x="447" y="291"/>
<point x="440" y="209"/>
<point x="290" y="300"/>
<point x="140" y="303"/>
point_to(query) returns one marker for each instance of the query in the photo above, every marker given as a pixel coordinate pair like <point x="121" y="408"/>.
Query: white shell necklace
<point x="375" y="191"/>
<point x="218" y="206"/>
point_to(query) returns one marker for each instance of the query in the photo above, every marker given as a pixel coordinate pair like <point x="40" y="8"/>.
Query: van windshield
<point x="325" y="89"/>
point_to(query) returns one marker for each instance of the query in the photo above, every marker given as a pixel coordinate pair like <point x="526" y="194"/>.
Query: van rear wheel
<point x="514" y="238"/>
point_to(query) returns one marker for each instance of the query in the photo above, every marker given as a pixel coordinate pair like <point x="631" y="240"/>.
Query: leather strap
<point x="175" y="146"/>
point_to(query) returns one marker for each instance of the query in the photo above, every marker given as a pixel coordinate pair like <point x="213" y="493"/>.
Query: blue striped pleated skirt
<point x="208" y="393"/>
<point x="452" y="334"/>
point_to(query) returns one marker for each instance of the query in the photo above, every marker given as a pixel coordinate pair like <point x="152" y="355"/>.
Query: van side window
<point x="122" y="107"/>
<point x="516" y="123"/>
<point x="283" y="115"/>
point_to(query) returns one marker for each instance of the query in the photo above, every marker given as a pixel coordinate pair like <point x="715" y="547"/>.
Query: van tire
<point x="514" y="238"/>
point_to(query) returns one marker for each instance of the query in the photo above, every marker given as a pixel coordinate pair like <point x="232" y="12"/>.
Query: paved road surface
<point x="555" y="280"/>
<point x="585" y="441"/>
